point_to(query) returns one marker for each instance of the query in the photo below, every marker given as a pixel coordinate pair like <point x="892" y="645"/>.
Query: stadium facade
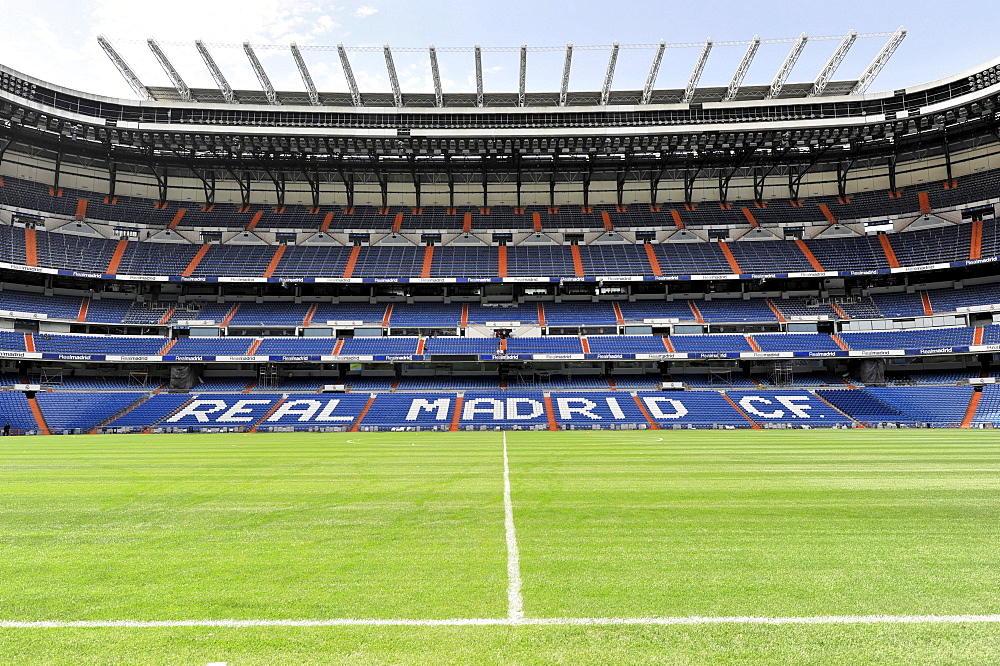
<point x="205" y="259"/>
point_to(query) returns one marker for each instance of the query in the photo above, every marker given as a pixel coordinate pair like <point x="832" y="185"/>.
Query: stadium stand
<point x="849" y="306"/>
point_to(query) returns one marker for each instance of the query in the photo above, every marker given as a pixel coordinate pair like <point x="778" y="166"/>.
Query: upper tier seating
<point x="457" y="345"/>
<point x="426" y="314"/>
<point x="98" y="344"/>
<point x="88" y="254"/>
<point x="626" y="344"/>
<point x="365" y="346"/>
<point x="908" y="339"/>
<point x="795" y="342"/>
<point x="580" y="313"/>
<point x="710" y="343"/>
<point x="32" y="196"/>
<point x="212" y="346"/>
<point x="552" y="344"/>
<point x="113" y="310"/>
<point x="274" y="313"/>
<point x="56" y="307"/>
<point x="941" y="339"/>
<point x="843" y="254"/>
<point x="296" y="346"/>
<point x="526" y="313"/>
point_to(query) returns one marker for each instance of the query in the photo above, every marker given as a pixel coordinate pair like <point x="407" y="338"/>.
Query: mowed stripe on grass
<point x="238" y="526"/>
<point x="773" y="524"/>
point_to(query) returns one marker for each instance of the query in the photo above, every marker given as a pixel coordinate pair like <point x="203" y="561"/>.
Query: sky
<point x="55" y="40"/>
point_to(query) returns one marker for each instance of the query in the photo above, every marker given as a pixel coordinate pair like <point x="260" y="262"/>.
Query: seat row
<point x="112" y="310"/>
<point x="71" y="344"/>
<point x="65" y="251"/>
<point x="66" y="201"/>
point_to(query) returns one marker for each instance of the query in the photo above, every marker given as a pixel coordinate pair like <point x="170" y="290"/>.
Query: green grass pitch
<point x="644" y="524"/>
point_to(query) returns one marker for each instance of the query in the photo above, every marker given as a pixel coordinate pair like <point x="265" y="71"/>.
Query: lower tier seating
<point x="502" y="409"/>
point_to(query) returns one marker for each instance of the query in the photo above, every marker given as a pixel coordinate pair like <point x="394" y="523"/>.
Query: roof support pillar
<point x="390" y="66"/>
<point x="522" y="76"/>
<point x="654" y="69"/>
<point x="436" y="76"/>
<point x="112" y="177"/>
<point x="479" y="75"/>
<point x="826" y="74"/>
<point x="786" y="67"/>
<point x="349" y="75"/>
<point x="412" y="159"/>
<point x="123" y="68"/>
<point x="741" y="71"/>
<point x="304" y="73"/>
<point x="880" y="60"/>
<point x="564" y="86"/>
<point x="258" y="69"/>
<point x="947" y="157"/>
<point x="58" y="166"/>
<point x="699" y="67"/>
<point x="213" y="69"/>
<point x="844" y="168"/>
<point x="171" y="72"/>
<point x="609" y="75"/>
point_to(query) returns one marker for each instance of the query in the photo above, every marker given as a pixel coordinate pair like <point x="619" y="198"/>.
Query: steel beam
<point x="479" y="75"/>
<point x="564" y="86"/>
<point x="609" y="75"/>
<point x="786" y="67"/>
<point x="654" y="69"/>
<point x="307" y="79"/>
<point x="172" y="73"/>
<point x="436" y="76"/>
<point x="741" y="71"/>
<point x="130" y="78"/>
<point x="390" y="66"/>
<point x="349" y="75"/>
<point x="213" y="69"/>
<point x="826" y="74"/>
<point x="258" y="69"/>
<point x="699" y="67"/>
<point x="523" y="75"/>
<point x="876" y="65"/>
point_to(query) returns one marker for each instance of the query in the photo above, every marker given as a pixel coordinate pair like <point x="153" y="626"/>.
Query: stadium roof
<point x="778" y="88"/>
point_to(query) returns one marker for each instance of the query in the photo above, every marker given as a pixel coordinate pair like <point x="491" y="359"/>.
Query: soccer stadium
<point x="684" y="374"/>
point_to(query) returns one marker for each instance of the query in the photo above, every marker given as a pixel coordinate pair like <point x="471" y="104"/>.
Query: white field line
<point x="515" y="603"/>
<point x="556" y="621"/>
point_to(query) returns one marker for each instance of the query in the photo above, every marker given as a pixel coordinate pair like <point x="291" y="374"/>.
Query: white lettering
<point x="799" y="410"/>
<point x="495" y="407"/>
<point x="746" y="402"/>
<point x="615" y="408"/>
<point x="304" y="409"/>
<point x="566" y="411"/>
<point x="653" y="405"/>
<point x="514" y="414"/>
<point x="327" y="413"/>
<point x="194" y="409"/>
<point x="421" y="405"/>
<point x="241" y="407"/>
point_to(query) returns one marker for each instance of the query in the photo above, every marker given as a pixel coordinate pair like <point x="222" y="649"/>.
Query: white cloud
<point x="364" y="11"/>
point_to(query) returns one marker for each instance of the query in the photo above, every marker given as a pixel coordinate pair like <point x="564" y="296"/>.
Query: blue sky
<point x="55" y="39"/>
